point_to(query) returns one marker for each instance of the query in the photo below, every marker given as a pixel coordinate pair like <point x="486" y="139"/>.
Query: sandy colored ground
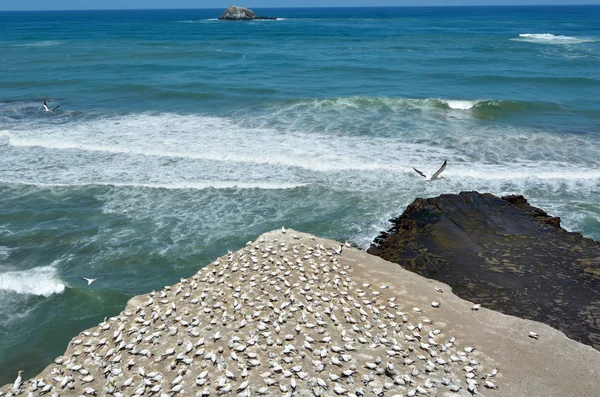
<point x="289" y="315"/>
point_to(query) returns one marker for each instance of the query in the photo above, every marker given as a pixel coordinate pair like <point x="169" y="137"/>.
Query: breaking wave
<point x="41" y="281"/>
<point x="549" y="38"/>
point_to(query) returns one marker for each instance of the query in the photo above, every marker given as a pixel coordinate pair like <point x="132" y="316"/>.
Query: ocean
<point x="180" y="136"/>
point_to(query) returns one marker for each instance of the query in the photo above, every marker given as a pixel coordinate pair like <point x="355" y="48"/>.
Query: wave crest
<point x="41" y="281"/>
<point x="45" y="43"/>
<point x="549" y="38"/>
<point x="461" y="105"/>
<point x="366" y="104"/>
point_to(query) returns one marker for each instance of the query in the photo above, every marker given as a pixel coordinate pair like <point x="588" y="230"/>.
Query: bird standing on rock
<point x="17" y="385"/>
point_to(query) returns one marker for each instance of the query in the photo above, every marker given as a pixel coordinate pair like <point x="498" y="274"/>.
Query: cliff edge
<point x="292" y="314"/>
<point x="504" y="254"/>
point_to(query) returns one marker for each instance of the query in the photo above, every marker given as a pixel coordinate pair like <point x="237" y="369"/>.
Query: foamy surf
<point x="42" y="281"/>
<point x="549" y="38"/>
<point x="4" y="252"/>
<point x="290" y="146"/>
<point x="537" y="173"/>
<point x="45" y="43"/>
<point x="197" y="185"/>
<point x="196" y="137"/>
<point x="460" y="105"/>
<point x="322" y="162"/>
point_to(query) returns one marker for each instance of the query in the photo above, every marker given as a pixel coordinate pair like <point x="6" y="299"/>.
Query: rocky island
<point x="503" y="254"/>
<point x="235" y="13"/>
<point x="296" y="315"/>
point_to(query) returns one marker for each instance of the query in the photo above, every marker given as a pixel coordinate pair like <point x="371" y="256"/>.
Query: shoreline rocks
<point x="235" y="13"/>
<point x="293" y="314"/>
<point x="504" y="254"/>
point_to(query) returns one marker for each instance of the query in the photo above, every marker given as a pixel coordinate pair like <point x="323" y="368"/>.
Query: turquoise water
<point x="179" y="136"/>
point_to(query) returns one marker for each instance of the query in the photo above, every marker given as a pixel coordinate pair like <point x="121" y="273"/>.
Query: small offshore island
<point x="296" y="315"/>
<point x="235" y="13"/>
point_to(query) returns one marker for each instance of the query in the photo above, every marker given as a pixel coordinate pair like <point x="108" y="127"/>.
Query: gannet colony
<point x="294" y="315"/>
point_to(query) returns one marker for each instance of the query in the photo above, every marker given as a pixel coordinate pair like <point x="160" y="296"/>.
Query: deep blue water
<point x="208" y="133"/>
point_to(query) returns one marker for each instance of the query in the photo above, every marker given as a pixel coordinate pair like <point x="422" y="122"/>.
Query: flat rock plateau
<point x="291" y="314"/>
<point x="503" y="254"/>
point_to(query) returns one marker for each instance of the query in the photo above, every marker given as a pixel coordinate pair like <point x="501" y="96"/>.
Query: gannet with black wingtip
<point x="47" y="109"/>
<point x="434" y="176"/>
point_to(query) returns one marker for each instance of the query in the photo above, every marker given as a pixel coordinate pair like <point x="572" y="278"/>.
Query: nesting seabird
<point x="233" y="356"/>
<point x="434" y="176"/>
<point x="47" y="109"/>
<point x="17" y="385"/>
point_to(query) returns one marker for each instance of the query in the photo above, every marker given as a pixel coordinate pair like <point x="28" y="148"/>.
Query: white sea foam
<point x="300" y="144"/>
<point x="460" y="105"/>
<point x="42" y="281"/>
<point x="12" y="309"/>
<point x="198" y="138"/>
<point x="195" y="185"/>
<point x="533" y="175"/>
<point x="45" y="43"/>
<point x="4" y="252"/>
<point x="548" y="38"/>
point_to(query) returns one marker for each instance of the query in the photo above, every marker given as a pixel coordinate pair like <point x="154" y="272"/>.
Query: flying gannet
<point x="89" y="280"/>
<point x="434" y="176"/>
<point x="47" y="109"/>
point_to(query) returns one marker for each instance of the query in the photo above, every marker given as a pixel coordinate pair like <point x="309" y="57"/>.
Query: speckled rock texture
<point x="504" y="254"/>
<point x="295" y="315"/>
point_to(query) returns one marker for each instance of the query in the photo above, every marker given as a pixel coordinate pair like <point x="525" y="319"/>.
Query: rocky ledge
<point x="295" y="315"/>
<point x="503" y="254"/>
<point x="235" y="13"/>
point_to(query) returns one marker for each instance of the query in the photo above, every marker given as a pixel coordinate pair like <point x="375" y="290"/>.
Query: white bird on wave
<point x="47" y="109"/>
<point x="434" y="176"/>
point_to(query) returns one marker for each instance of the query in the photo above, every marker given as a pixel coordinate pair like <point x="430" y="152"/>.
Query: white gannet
<point x="434" y="176"/>
<point x="17" y="385"/>
<point x="89" y="280"/>
<point x="47" y="109"/>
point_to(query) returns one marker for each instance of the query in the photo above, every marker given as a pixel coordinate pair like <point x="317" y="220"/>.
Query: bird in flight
<point x="89" y="280"/>
<point x="47" y="109"/>
<point x="434" y="176"/>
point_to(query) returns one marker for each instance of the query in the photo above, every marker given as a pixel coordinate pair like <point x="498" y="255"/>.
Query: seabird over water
<point x="89" y="280"/>
<point x="47" y="109"/>
<point x="434" y="176"/>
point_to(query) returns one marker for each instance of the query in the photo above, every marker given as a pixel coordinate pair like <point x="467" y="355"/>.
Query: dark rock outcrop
<point x="235" y="13"/>
<point x="505" y="254"/>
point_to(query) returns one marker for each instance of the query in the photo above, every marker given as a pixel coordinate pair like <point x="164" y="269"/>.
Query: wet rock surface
<point x="504" y="254"/>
